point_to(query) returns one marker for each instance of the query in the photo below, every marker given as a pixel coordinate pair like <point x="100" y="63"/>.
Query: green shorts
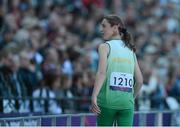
<point x="109" y="117"/>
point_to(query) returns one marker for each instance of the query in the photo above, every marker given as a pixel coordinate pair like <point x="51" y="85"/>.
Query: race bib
<point x="121" y="81"/>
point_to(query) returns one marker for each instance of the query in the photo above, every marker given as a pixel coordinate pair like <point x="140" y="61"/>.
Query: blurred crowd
<point x="48" y="49"/>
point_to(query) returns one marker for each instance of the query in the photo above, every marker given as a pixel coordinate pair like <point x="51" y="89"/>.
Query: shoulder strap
<point x="109" y="48"/>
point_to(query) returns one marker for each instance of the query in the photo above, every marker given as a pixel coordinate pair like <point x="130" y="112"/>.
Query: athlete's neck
<point x="117" y="37"/>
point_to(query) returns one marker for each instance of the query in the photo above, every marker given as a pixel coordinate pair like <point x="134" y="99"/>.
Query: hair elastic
<point x="124" y="30"/>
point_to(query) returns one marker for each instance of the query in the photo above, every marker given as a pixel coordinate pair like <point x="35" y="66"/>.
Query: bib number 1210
<point x="121" y="79"/>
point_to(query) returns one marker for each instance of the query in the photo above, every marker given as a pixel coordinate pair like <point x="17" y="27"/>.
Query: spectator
<point x="11" y="80"/>
<point x="47" y="103"/>
<point x="27" y="75"/>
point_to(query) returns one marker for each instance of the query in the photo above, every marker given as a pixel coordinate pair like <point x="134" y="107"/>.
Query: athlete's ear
<point x="115" y="28"/>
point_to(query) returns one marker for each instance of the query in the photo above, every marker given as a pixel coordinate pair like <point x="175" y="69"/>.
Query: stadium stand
<point x="51" y="46"/>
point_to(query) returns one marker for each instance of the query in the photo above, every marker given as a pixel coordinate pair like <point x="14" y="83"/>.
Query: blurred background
<point x="48" y="52"/>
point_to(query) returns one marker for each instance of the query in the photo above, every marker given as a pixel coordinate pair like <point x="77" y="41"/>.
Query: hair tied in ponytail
<point x="124" y="30"/>
<point x="126" y="37"/>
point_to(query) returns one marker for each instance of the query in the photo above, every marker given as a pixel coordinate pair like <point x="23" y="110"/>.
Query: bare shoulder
<point x="104" y="47"/>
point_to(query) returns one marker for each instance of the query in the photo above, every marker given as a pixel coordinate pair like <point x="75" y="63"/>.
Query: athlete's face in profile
<point x="107" y="30"/>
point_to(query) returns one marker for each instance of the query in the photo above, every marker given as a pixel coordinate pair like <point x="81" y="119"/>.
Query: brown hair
<point x="127" y="38"/>
<point x="50" y="76"/>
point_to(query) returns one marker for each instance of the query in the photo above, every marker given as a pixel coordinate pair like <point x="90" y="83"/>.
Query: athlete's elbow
<point x="140" y="81"/>
<point x="102" y="73"/>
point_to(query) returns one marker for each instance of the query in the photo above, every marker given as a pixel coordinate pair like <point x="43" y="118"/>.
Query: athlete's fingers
<point x="95" y="106"/>
<point x="95" y="109"/>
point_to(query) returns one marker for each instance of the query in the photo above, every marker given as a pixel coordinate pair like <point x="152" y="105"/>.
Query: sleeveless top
<point x="117" y="90"/>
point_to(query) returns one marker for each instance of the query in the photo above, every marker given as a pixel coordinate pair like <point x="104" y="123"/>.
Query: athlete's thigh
<point x="125" y="117"/>
<point x="106" y="117"/>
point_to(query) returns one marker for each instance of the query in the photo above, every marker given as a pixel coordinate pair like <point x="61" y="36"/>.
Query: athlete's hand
<point x="95" y="109"/>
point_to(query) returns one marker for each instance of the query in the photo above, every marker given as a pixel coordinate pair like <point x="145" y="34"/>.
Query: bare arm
<point x="138" y="79"/>
<point x="100" y="76"/>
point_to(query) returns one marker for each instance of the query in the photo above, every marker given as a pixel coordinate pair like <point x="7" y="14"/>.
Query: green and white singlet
<point x="117" y="90"/>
